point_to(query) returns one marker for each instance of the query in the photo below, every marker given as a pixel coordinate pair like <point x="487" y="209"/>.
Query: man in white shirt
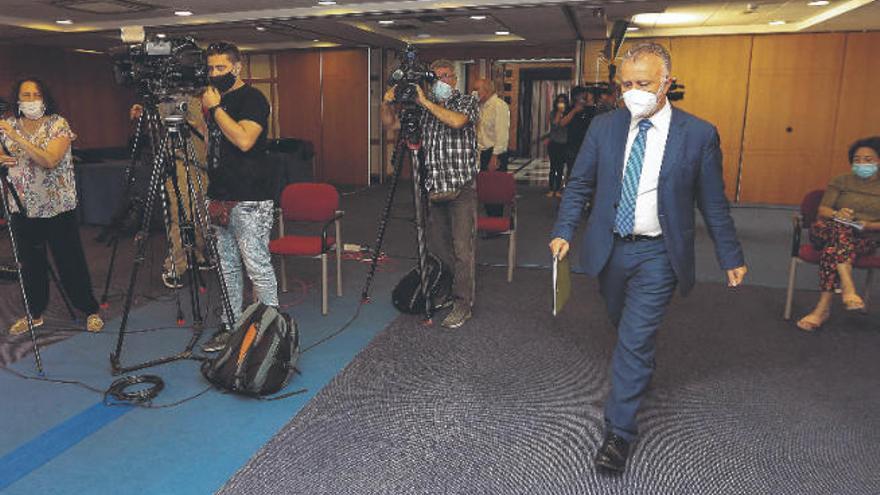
<point x="493" y="133"/>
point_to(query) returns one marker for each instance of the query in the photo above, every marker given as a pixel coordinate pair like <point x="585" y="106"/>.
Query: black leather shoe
<point x="613" y="453"/>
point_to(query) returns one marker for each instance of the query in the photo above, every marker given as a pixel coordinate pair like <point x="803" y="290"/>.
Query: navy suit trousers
<point x="637" y="285"/>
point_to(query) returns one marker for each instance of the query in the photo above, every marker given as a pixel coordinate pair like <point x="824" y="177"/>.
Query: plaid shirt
<point x="451" y="154"/>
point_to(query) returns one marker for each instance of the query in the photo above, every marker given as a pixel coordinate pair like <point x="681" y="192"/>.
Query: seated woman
<point x="41" y="170"/>
<point x="854" y="199"/>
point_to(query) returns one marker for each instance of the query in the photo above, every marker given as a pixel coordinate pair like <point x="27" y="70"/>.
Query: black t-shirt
<point x="240" y="175"/>
<point x="577" y="128"/>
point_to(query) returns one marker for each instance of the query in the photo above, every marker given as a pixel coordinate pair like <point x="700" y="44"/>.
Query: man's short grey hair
<point x="649" y="47"/>
<point x="444" y="63"/>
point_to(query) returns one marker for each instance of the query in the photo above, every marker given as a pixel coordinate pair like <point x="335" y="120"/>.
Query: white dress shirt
<point x="647" y="221"/>
<point x="493" y="130"/>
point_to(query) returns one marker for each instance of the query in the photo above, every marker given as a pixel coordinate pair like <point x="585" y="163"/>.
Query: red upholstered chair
<point x="499" y="188"/>
<point x="804" y="252"/>
<point x="309" y="202"/>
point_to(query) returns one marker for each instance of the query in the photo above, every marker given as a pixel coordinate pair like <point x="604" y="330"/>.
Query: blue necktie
<point x="626" y="209"/>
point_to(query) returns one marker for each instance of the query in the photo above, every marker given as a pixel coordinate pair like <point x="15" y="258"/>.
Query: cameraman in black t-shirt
<point x="240" y="183"/>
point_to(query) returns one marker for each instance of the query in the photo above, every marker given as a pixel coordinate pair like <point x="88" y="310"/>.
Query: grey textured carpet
<point x="741" y="403"/>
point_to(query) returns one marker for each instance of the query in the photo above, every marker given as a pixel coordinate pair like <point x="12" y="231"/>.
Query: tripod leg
<point x="420" y="202"/>
<point x="104" y="304"/>
<point x="141" y="238"/>
<point x="8" y="189"/>
<point x="397" y="162"/>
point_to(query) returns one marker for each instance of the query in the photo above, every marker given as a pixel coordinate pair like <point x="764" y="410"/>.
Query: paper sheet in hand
<point x="561" y="283"/>
<point x="854" y="225"/>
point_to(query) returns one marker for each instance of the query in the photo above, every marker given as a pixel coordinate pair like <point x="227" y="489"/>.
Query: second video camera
<point x="163" y="67"/>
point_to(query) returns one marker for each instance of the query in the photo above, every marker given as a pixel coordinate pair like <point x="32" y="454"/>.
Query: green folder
<point x="561" y="283"/>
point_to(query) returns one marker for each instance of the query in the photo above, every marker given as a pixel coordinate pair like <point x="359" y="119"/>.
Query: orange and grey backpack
<point x="260" y="358"/>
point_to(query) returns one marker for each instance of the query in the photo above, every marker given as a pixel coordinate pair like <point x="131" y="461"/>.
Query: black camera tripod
<point x="169" y="140"/>
<point x="409" y="140"/>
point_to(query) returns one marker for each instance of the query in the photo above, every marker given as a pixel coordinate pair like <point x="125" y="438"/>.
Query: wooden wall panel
<point x="299" y="98"/>
<point x="716" y="89"/>
<point x="83" y="85"/>
<point x="345" y="134"/>
<point x="792" y="103"/>
<point x="858" y="114"/>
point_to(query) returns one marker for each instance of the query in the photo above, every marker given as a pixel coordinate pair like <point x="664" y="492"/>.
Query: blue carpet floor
<point x="63" y="439"/>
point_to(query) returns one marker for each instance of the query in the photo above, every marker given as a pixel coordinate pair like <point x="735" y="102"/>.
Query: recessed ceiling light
<point x="632" y="28"/>
<point x="665" y="18"/>
<point x="502" y="33"/>
<point x="386" y="21"/>
<point x="182" y="13"/>
<point x="316" y="40"/>
<point x="160" y="35"/>
<point x="423" y="35"/>
<point x="64" y="21"/>
<point x="818" y="3"/>
<point x="776" y="23"/>
<point x="326" y="2"/>
<point x="261" y="28"/>
<point x="478" y="17"/>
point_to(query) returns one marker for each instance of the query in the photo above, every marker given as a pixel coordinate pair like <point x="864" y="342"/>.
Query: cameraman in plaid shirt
<point x="449" y="144"/>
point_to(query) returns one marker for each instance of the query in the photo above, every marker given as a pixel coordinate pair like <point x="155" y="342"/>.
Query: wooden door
<point x="859" y="110"/>
<point x="791" y="114"/>
<point x="715" y="89"/>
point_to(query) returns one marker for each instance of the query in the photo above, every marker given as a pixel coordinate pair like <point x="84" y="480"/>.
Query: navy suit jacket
<point x="690" y="175"/>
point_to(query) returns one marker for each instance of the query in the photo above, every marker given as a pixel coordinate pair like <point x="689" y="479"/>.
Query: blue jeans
<point x="247" y="238"/>
<point x="637" y="284"/>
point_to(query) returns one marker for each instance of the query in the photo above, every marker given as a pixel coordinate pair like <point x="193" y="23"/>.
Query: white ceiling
<point x="298" y="23"/>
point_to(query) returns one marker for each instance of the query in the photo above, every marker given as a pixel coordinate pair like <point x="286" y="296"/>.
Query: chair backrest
<point x="810" y="206"/>
<point x="309" y="202"/>
<point x="496" y="187"/>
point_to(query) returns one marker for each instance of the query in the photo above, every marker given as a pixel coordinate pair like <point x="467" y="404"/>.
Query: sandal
<point x="21" y="325"/>
<point x="853" y="302"/>
<point x="811" y="322"/>
<point x="94" y="323"/>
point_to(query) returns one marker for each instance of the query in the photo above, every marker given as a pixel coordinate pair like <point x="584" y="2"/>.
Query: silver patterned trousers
<point x="246" y="238"/>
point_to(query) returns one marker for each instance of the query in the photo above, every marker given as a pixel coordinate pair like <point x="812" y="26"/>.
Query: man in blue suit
<point x="644" y="169"/>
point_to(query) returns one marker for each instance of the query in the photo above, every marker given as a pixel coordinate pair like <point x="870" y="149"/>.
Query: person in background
<point x="41" y="170"/>
<point x="175" y="263"/>
<point x="577" y="121"/>
<point x="557" y="145"/>
<point x="493" y="133"/>
<point x="848" y="226"/>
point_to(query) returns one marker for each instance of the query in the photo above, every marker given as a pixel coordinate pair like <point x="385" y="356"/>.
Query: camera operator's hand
<point x="422" y="99"/>
<point x="210" y="98"/>
<point x="7" y="129"/>
<point x="389" y="95"/>
<point x="136" y="111"/>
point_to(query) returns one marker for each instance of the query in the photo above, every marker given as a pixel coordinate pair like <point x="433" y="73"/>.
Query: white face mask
<point x="641" y="103"/>
<point x="32" y="109"/>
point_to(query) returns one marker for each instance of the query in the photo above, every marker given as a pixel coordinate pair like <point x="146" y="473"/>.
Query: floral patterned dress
<point x="44" y="192"/>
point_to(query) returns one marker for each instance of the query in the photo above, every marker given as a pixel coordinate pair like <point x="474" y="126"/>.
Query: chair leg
<point x="869" y="279"/>
<point x="789" y="294"/>
<point x="511" y="256"/>
<point x="284" y="274"/>
<point x="339" y="248"/>
<point x="324" y="283"/>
